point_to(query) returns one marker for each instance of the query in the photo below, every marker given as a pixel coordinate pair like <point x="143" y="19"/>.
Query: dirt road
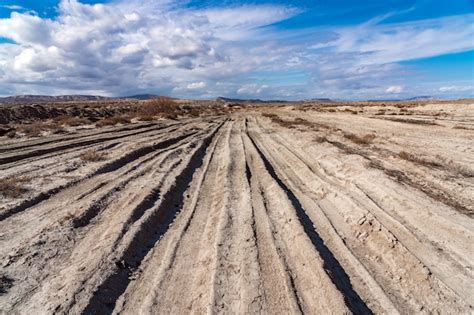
<point x="255" y="212"/>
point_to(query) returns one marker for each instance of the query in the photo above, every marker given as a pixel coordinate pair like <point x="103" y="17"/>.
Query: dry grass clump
<point x="347" y="110"/>
<point x="303" y="122"/>
<point x="296" y="122"/>
<point x="364" y="140"/>
<point x="418" y="159"/>
<point x="158" y="107"/>
<point x="112" y="121"/>
<point x="30" y="130"/>
<point x="72" y="121"/>
<point x="13" y="187"/>
<point x="93" y="156"/>
<point x="380" y="112"/>
<point x="288" y="123"/>
<point x="276" y="119"/>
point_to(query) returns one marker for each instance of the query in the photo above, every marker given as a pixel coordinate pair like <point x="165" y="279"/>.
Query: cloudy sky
<point x="247" y="49"/>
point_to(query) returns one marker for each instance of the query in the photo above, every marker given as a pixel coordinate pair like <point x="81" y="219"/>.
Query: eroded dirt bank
<point x="272" y="211"/>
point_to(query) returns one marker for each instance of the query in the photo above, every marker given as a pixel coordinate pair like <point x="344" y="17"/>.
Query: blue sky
<point x="246" y="49"/>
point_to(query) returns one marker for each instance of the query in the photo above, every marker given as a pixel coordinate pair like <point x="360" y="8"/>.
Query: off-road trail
<point x="276" y="212"/>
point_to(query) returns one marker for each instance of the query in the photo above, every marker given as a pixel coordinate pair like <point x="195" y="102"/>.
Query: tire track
<point x="416" y="243"/>
<point x="103" y="300"/>
<point x="45" y="240"/>
<point x="91" y="233"/>
<point x="332" y="266"/>
<point x="28" y="144"/>
<point x="143" y="297"/>
<point x="236" y="280"/>
<point x="279" y="292"/>
<point x="348" y="199"/>
<point x="309" y="275"/>
<point x="4" y="160"/>
<point x="110" y="167"/>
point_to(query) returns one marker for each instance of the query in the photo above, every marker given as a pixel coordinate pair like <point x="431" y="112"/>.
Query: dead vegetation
<point x="93" y="156"/>
<point x="163" y="107"/>
<point x="112" y="121"/>
<point x="72" y="121"/>
<point x="13" y="187"/>
<point x="35" y="129"/>
<point x="412" y="121"/>
<point x="290" y="123"/>
<point x="419" y="160"/>
<point x="439" y="162"/>
<point x="363" y="140"/>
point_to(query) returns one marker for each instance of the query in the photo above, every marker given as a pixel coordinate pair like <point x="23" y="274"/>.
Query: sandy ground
<point x="275" y="211"/>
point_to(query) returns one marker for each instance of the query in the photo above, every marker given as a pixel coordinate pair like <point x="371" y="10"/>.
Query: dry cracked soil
<point x="277" y="211"/>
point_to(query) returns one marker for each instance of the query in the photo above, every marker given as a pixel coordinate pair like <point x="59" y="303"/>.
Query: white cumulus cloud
<point x="395" y="89"/>
<point x="196" y="85"/>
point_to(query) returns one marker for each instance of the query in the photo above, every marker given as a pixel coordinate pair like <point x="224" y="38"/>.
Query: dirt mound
<point x="28" y="113"/>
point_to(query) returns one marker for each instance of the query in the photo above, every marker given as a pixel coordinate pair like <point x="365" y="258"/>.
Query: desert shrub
<point x="169" y="115"/>
<point x="13" y="187"/>
<point x="158" y="106"/>
<point x="93" y="156"/>
<point x="31" y="130"/>
<point x="193" y="112"/>
<point x="364" y="140"/>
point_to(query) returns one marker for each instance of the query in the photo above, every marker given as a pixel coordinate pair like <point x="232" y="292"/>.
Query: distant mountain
<point x="416" y="98"/>
<point x="238" y="100"/>
<point x="420" y="98"/>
